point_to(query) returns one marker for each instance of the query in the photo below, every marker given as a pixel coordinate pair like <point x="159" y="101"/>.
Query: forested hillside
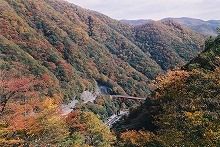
<point x="207" y="28"/>
<point x="169" y="43"/>
<point x="53" y="52"/>
<point x="78" y="47"/>
<point x="184" y="108"/>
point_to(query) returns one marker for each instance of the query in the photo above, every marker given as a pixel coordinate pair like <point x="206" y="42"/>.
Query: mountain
<point x="53" y="53"/>
<point x="77" y="49"/>
<point x="73" y="47"/>
<point x="184" y="108"/>
<point x="207" y="28"/>
<point x="169" y="43"/>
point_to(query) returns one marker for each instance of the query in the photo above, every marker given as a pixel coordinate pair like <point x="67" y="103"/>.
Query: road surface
<point x="114" y="118"/>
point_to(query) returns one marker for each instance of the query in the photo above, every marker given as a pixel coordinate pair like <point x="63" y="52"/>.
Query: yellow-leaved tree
<point x="97" y="133"/>
<point x="38" y="123"/>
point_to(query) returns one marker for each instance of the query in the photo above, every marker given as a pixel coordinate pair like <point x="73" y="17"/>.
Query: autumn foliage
<point x="184" y="108"/>
<point x="12" y="87"/>
<point x="51" y="51"/>
<point x="38" y="123"/>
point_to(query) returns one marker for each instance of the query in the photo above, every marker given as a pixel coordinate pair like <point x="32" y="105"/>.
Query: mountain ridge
<point x="207" y="28"/>
<point x="53" y="53"/>
<point x="84" y="45"/>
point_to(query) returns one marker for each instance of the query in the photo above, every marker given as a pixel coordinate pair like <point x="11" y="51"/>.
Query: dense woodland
<point x="184" y="108"/>
<point x="52" y="51"/>
<point x="207" y="28"/>
<point x="78" y="48"/>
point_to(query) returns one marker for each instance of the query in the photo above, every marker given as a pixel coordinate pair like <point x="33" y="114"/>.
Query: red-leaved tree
<point x="12" y="87"/>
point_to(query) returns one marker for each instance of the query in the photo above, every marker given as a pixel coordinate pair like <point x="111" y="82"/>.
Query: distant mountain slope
<point x="80" y="48"/>
<point x="169" y="43"/>
<point x="207" y="28"/>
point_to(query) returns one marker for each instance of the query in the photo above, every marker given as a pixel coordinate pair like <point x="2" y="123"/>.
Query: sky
<point x="153" y="9"/>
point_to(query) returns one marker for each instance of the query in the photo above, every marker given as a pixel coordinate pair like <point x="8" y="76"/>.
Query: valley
<point x="70" y="76"/>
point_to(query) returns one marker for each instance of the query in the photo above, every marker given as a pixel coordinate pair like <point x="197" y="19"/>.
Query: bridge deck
<point x="128" y="97"/>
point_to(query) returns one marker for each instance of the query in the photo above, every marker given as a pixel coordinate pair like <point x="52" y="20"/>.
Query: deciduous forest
<point x="56" y="56"/>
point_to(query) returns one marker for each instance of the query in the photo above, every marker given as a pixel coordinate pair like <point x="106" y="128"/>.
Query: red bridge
<point x="128" y="97"/>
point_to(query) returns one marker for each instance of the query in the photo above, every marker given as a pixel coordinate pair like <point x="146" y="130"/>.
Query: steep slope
<point x="209" y="59"/>
<point x="81" y="48"/>
<point x="184" y="106"/>
<point x="169" y="43"/>
<point x="60" y="42"/>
